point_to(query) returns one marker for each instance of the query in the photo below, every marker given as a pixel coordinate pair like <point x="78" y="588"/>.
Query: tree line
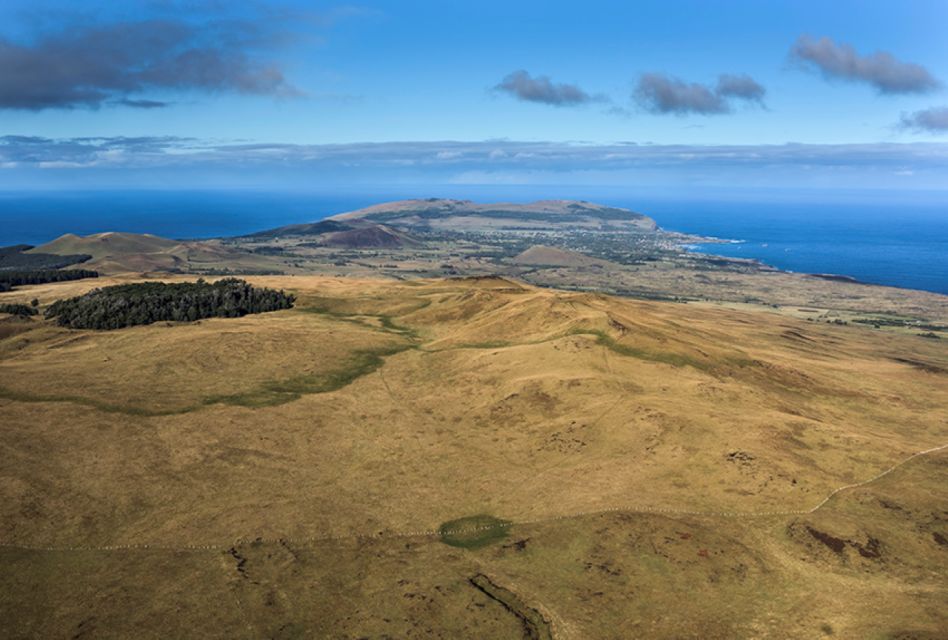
<point x="147" y="302"/>
<point x="11" y="278"/>
<point x="17" y="309"/>
<point x="15" y="257"/>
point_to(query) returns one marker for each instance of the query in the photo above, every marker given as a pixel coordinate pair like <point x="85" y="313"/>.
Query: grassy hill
<point x="440" y="213"/>
<point x="332" y="233"/>
<point x="115" y="252"/>
<point x="542" y="256"/>
<point x="472" y="458"/>
<point x="100" y="245"/>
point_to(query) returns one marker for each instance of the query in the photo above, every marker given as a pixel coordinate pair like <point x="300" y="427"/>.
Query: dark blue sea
<point x="893" y="241"/>
<point x="898" y="245"/>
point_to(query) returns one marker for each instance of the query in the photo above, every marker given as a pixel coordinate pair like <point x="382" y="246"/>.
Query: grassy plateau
<point x="470" y="458"/>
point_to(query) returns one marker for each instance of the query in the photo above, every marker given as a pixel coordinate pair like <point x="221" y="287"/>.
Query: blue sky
<point x="862" y="85"/>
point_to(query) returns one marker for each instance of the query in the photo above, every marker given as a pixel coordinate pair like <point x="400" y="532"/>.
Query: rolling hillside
<point x="439" y="213"/>
<point x="102" y="245"/>
<point x="115" y="252"/>
<point x="473" y="458"/>
<point x="331" y="233"/>
<point x="542" y="256"/>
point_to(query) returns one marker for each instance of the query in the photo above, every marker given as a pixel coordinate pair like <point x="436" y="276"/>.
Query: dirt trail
<point x="535" y="625"/>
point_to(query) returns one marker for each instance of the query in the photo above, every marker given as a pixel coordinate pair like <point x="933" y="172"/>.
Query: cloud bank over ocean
<point x="502" y="161"/>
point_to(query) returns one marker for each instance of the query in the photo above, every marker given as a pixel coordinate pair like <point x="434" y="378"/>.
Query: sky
<point x="294" y="94"/>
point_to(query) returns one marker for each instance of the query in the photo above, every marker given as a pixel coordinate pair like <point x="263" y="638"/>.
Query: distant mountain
<point x="464" y="215"/>
<point x="20" y="257"/>
<point x="116" y="252"/>
<point x="391" y="224"/>
<point x="333" y="233"/>
<point x="374" y="235"/>
<point x="543" y="256"/>
<point x="307" y="229"/>
<point x="100" y="245"/>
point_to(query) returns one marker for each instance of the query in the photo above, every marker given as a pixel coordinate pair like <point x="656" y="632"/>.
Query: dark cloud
<point x="934" y="120"/>
<point x="663" y="94"/>
<point x="740" y="86"/>
<point x="880" y="69"/>
<point x="87" y="65"/>
<point x="659" y="93"/>
<point x="523" y="86"/>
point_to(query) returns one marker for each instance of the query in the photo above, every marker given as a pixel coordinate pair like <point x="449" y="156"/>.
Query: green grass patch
<point x="19" y="396"/>
<point x="386" y="322"/>
<point x="665" y="357"/>
<point x="489" y="344"/>
<point x="474" y="532"/>
<point x="361" y="363"/>
<point x="721" y="366"/>
<point x="270" y="394"/>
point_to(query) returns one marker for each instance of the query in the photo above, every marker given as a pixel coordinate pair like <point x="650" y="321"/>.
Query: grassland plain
<point x="643" y="469"/>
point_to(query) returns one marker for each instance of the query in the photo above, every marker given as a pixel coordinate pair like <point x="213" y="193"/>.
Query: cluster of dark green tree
<point x="23" y="310"/>
<point x="10" y="279"/>
<point x="15" y="257"/>
<point x="146" y="302"/>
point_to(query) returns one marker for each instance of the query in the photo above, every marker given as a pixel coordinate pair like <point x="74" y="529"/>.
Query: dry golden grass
<point x="122" y="253"/>
<point x="343" y="432"/>
<point x="170" y="369"/>
<point x="760" y="288"/>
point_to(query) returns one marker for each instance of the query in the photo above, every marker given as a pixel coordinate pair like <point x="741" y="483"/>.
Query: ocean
<point x="898" y="244"/>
